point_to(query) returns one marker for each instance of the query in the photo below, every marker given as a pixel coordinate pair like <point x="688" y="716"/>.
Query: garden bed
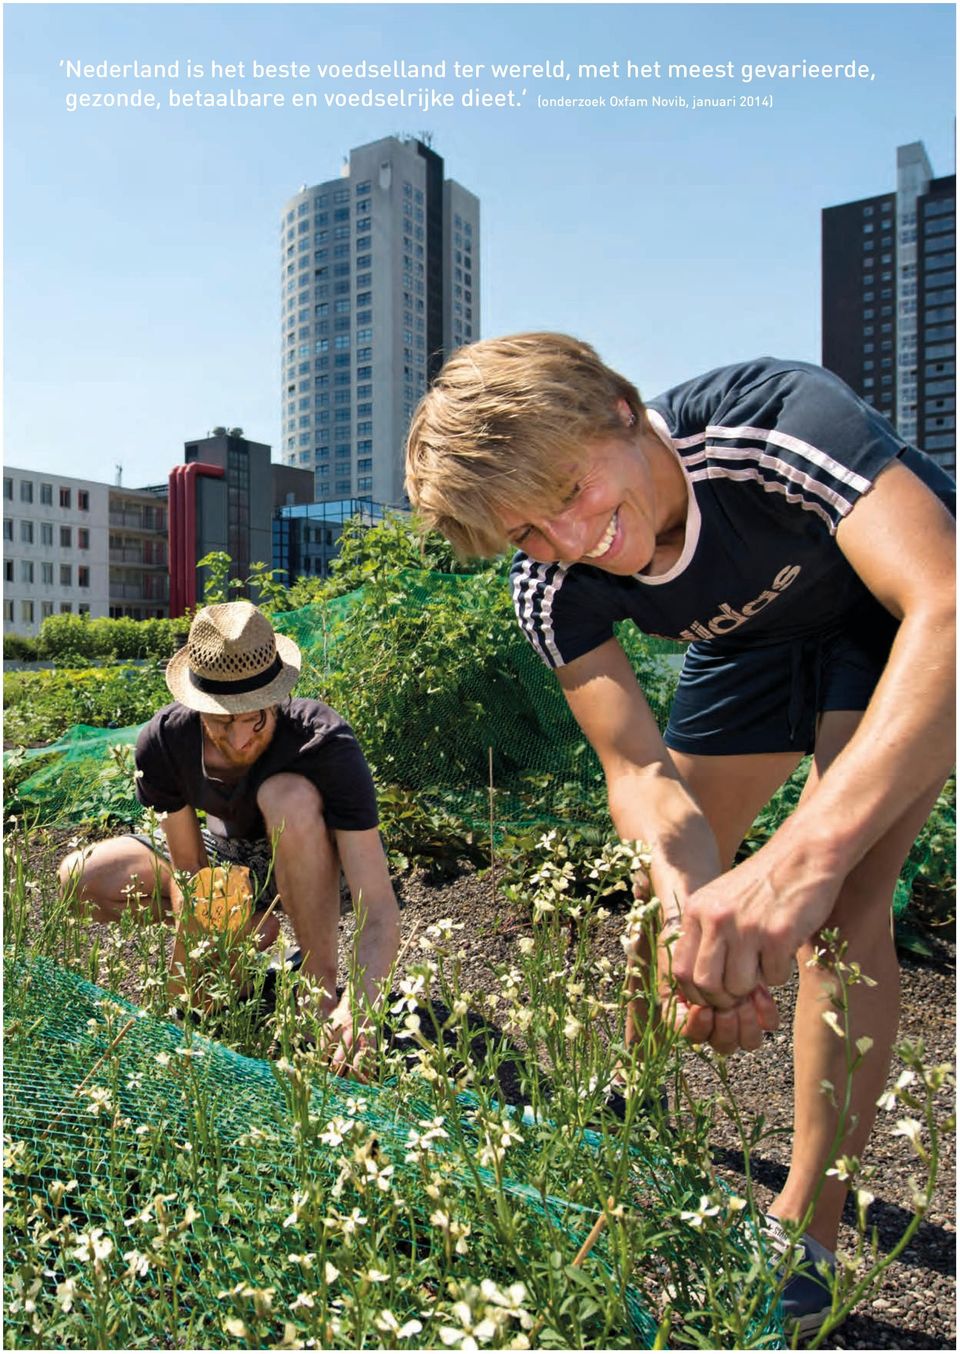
<point x="914" y="1307"/>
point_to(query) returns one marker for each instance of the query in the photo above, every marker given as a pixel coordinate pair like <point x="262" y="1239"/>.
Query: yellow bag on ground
<point x="222" y="897"/>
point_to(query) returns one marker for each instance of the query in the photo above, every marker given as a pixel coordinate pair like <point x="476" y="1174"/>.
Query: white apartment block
<point x="380" y="280"/>
<point x="72" y="545"/>
<point x="54" y="548"/>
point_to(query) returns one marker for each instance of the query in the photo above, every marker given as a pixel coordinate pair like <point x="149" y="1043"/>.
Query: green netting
<point x="192" y="1123"/>
<point x="443" y="691"/>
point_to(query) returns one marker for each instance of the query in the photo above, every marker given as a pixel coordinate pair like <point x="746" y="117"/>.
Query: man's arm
<point x="744" y="927"/>
<point x="378" y="923"/>
<point x="188" y="854"/>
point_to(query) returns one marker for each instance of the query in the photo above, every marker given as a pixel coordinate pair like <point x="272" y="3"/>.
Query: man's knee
<point x="70" y="872"/>
<point x="112" y="872"/>
<point x="290" y="800"/>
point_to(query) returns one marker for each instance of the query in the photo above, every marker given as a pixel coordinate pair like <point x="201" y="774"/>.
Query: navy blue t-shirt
<point x="775" y="455"/>
<point x="310" y="740"/>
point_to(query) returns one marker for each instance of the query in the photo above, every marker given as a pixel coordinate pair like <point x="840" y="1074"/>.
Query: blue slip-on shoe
<point x="807" y="1296"/>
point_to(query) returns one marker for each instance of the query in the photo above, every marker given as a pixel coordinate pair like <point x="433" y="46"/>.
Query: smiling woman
<point x="766" y="513"/>
<point x="625" y="513"/>
<point x="507" y="424"/>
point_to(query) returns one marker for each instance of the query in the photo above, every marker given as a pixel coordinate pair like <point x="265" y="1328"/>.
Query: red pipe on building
<point x="173" y="547"/>
<point x="183" y="532"/>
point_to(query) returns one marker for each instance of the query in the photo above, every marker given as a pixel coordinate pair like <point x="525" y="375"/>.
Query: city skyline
<point x="889" y="302"/>
<point x="379" y="280"/>
<point x="141" y="304"/>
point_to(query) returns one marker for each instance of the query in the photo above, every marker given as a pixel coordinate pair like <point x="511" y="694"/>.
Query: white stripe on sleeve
<point x="799" y="448"/>
<point x="718" y="472"/>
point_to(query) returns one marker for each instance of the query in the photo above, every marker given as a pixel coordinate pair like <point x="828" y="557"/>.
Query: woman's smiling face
<point x="617" y="505"/>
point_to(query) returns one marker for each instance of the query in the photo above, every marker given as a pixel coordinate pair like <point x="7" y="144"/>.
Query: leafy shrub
<point x="23" y="647"/>
<point x="66" y="634"/>
<point x="419" y="831"/>
<point x="70" y="640"/>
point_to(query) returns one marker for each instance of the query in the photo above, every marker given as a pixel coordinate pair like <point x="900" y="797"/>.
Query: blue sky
<point x="141" y="264"/>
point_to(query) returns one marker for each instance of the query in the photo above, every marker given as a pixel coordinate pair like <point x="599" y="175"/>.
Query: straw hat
<point x="233" y="662"/>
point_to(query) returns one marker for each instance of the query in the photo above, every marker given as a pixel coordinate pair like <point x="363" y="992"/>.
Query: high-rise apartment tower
<point x="380" y="280"/>
<point x="889" y="302"/>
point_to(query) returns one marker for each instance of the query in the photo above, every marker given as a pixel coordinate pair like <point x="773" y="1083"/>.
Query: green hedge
<point x="66" y="638"/>
<point x="23" y="647"/>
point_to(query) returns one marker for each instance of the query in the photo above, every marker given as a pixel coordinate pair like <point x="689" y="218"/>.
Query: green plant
<point x="73" y="640"/>
<point x="262" y="583"/>
<point x="162" y="1192"/>
<point x="23" y="647"/>
<point x="217" y="583"/>
<point x="66" y="633"/>
<point x="40" y="706"/>
<point x="420" y="831"/>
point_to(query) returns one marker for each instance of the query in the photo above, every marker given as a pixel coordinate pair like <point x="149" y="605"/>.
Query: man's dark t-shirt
<point x="310" y="740"/>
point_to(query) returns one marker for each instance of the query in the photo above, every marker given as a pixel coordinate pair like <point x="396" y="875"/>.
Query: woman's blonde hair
<point x="500" y="426"/>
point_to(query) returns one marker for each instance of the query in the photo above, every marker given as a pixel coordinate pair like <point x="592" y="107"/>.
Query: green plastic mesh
<point x="249" y="1153"/>
<point x="443" y="692"/>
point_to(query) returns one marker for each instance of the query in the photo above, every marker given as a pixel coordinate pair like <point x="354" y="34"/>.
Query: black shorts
<point x="768" y="698"/>
<point x="256" y="855"/>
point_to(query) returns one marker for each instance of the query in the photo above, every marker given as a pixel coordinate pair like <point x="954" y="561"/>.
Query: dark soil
<point x="915" y="1307"/>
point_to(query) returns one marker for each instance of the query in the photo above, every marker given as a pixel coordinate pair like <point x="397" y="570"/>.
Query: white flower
<point x="66" y="1294"/>
<point x="299" y="1199"/>
<point x="844" y="1168"/>
<point x="235" y="1327"/>
<point x="525" y="945"/>
<point x="509" y="1301"/>
<point x="386" y="1321"/>
<point x="330" y="1273"/>
<point x="469" y="1337"/>
<point x="164" y="1060"/>
<point x="136" y="1263"/>
<point x="302" y="1300"/>
<point x="99" y="1100"/>
<point x="698" y="1216"/>
<point x="57" y="1189"/>
<point x="335" y="1131"/>
<point x="92" y="1245"/>
<point x="830" y="1018"/>
<point x="908" y="1128"/>
<point x="456" y="1231"/>
<point x="377" y="1175"/>
<point x="376" y="1276"/>
<point x="26" y="1299"/>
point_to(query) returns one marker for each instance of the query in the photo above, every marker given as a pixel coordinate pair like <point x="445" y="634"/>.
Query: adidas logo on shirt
<point x="728" y="618"/>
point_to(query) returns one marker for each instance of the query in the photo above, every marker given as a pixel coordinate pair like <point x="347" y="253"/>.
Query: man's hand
<point x="741" y="931"/>
<point x="741" y="1026"/>
<point x="347" y="1042"/>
